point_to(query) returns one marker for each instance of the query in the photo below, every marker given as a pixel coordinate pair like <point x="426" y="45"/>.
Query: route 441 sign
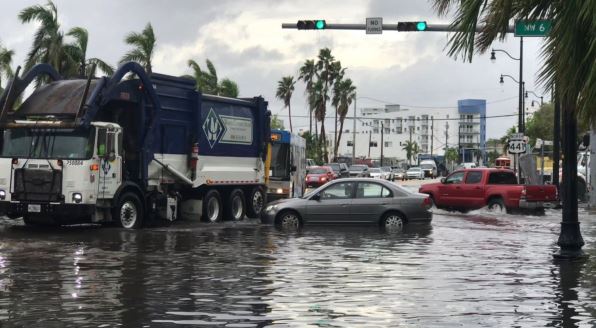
<point x="517" y="147"/>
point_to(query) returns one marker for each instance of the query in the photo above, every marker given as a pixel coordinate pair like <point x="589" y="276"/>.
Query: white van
<point x="468" y="165"/>
<point x="430" y="168"/>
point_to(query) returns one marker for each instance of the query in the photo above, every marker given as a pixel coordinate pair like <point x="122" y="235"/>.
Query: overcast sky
<point x="245" y="41"/>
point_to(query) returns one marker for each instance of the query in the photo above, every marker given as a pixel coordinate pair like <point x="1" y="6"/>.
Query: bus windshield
<point x="280" y="161"/>
<point x="47" y="143"/>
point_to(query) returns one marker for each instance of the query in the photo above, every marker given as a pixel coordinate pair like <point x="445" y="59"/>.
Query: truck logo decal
<point x="214" y="128"/>
<point x="105" y="165"/>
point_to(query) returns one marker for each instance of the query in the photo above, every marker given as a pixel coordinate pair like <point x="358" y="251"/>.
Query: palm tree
<point x="337" y="75"/>
<point x="316" y="101"/>
<point x="285" y="88"/>
<point x="207" y="81"/>
<point x="346" y="93"/>
<point x="144" y="45"/>
<point x="5" y="62"/>
<point x="308" y="73"/>
<point x="78" y="51"/>
<point x="48" y="43"/>
<point x="569" y="65"/>
<point x="411" y="148"/>
<point x="327" y="74"/>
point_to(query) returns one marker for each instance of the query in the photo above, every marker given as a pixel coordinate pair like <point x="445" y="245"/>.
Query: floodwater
<point x="464" y="270"/>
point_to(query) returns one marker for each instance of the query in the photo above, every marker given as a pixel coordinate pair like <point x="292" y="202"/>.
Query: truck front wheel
<point x="257" y="198"/>
<point x="129" y="212"/>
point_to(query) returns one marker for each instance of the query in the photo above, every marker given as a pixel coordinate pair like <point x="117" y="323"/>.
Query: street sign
<point x="538" y="28"/>
<point x="548" y="142"/>
<point x="539" y="143"/>
<point x="517" y="147"/>
<point x="516" y="136"/>
<point x="374" y="25"/>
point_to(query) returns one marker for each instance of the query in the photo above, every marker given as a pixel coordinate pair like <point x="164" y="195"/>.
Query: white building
<point x="429" y="128"/>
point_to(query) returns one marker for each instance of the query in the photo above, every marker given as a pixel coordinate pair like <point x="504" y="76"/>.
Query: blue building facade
<point x="472" y="130"/>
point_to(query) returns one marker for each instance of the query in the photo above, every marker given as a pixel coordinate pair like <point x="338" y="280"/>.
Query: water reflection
<point x="472" y="270"/>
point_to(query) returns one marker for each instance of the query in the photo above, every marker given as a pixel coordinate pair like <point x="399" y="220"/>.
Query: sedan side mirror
<point x="442" y="180"/>
<point x="316" y="197"/>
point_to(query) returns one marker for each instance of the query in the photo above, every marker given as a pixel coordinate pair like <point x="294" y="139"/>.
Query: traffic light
<point x="317" y="24"/>
<point x="412" y="26"/>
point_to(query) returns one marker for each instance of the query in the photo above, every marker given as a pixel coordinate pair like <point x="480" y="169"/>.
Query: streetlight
<point x="522" y="102"/>
<point x="537" y="96"/>
<point x="493" y="58"/>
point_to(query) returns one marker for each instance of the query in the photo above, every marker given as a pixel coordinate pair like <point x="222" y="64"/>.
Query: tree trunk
<point x="341" y="128"/>
<point x="335" y="136"/>
<point x="290" y="117"/>
<point x="324" y="143"/>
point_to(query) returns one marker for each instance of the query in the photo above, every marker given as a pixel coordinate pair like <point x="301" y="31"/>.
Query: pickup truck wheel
<point x="212" y="207"/>
<point x="257" y="198"/>
<point x="236" y="206"/>
<point x="129" y="212"/>
<point x="496" y="205"/>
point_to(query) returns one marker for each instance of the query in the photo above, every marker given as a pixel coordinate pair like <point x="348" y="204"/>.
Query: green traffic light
<point x="320" y="24"/>
<point x="421" y="26"/>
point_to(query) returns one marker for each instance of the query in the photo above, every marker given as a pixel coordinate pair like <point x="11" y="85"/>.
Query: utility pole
<point x="410" y="145"/>
<point x="369" y="141"/>
<point x="382" y="144"/>
<point x="354" y="135"/>
<point x="432" y="133"/>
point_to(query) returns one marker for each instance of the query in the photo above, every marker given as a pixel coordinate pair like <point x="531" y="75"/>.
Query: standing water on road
<point x="474" y="270"/>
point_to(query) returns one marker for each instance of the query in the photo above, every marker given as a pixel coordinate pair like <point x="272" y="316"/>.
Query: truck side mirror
<point x="111" y="156"/>
<point x="293" y="168"/>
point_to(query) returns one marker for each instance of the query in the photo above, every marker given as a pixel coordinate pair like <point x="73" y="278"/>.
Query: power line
<point x="418" y="119"/>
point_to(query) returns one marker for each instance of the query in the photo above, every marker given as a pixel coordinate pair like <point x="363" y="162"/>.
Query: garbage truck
<point x="128" y="149"/>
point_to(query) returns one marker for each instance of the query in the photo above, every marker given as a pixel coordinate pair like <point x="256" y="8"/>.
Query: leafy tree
<point x="48" y="43"/>
<point x="144" y="46"/>
<point x="311" y="147"/>
<point x="411" y="148"/>
<point x="276" y="123"/>
<point x="285" y="88"/>
<point x="207" y="81"/>
<point x="540" y="124"/>
<point x="78" y="52"/>
<point x="308" y="74"/>
<point x="5" y="62"/>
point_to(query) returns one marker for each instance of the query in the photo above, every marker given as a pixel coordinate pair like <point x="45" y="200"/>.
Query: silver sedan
<point x="353" y="200"/>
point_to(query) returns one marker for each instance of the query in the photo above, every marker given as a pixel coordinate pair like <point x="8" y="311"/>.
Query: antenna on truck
<point x="16" y="76"/>
<point x="84" y="98"/>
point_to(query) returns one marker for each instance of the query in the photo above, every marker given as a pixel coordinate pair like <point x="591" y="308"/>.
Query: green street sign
<point x="533" y="27"/>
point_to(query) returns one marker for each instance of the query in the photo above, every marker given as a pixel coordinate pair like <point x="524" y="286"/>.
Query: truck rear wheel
<point x="236" y="206"/>
<point x="129" y="212"/>
<point x="212" y="206"/>
<point x="257" y="198"/>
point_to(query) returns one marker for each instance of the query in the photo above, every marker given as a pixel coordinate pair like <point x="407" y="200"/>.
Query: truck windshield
<point x="47" y="143"/>
<point x="280" y="161"/>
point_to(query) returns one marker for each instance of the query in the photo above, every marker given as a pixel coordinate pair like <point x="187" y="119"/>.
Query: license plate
<point x="33" y="208"/>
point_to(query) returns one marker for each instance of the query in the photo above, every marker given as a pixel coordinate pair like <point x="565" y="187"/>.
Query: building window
<point x="376" y="130"/>
<point x="350" y="143"/>
<point x="388" y="144"/>
<point x="387" y="130"/>
<point x="372" y="144"/>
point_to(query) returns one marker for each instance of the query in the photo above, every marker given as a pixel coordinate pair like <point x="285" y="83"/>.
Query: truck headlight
<point x="280" y="191"/>
<point x="77" y="197"/>
<point x="2" y="194"/>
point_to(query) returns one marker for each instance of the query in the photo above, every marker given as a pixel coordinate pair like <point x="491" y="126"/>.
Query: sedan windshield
<point x="375" y="170"/>
<point x="334" y="166"/>
<point x="414" y="169"/>
<point x="47" y="143"/>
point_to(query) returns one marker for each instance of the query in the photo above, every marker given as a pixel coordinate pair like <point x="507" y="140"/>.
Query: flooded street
<point x="465" y="270"/>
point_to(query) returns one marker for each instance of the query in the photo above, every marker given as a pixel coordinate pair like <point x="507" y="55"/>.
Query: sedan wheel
<point x="289" y="220"/>
<point x="393" y="222"/>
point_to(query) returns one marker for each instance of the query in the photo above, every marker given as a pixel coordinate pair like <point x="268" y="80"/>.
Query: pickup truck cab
<point x="496" y="189"/>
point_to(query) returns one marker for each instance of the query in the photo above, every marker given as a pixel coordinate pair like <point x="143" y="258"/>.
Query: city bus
<point x="288" y="165"/>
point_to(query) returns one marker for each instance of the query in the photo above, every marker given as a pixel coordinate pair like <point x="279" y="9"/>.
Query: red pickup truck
<point x="496" y="189"/>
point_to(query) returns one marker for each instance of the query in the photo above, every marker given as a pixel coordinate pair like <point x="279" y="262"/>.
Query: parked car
<point x="388" y="173"/>
<point x="430" y="168"/>
<point x="310" y="162"/>
<point x="376" y="173"/>
<point x="318" y="176"/>
<point x="496" y="189"/>
<point x="353" y="200"/>
<point x="340" y="169"/>
<point x="415" y="173"/>
<point x="399" y="174"/>
<point x="359" y="171"/>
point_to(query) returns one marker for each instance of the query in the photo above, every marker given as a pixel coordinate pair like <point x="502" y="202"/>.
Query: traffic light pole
<point x="389" y="27"/>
